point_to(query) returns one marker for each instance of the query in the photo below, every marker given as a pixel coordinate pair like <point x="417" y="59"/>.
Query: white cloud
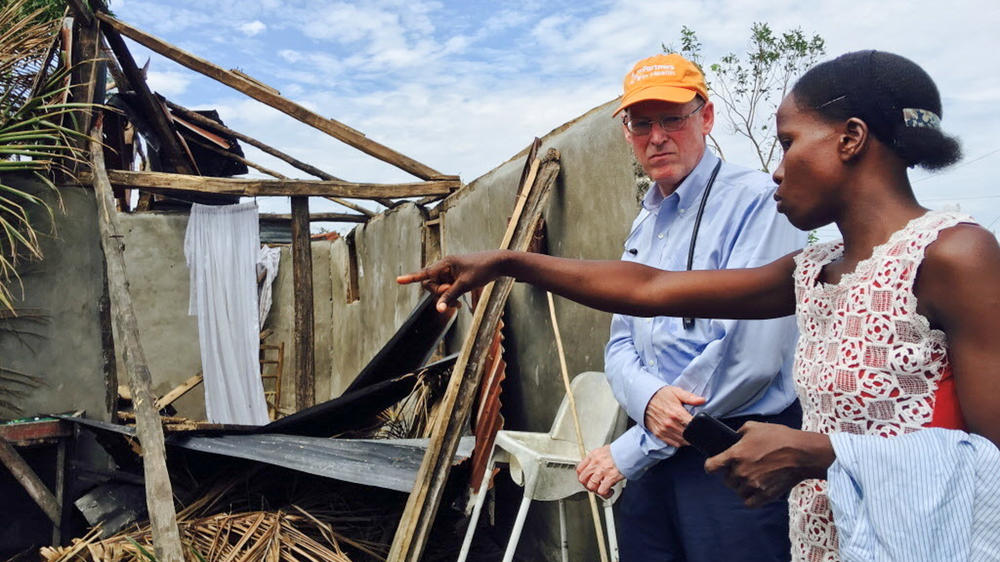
<point x="461" y="86"/>
<point x="169" y="83"/>
<point x="252" y="28"/>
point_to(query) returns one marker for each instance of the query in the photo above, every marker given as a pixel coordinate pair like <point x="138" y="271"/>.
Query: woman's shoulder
<point x="962" y="248"/>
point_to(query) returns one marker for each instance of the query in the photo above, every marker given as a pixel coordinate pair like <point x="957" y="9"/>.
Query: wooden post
<point x="302" y="282"/>
<point x="159" y="494"/>
<point x="421" y="507"/>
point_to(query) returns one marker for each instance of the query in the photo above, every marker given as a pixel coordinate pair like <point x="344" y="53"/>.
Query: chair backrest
<point x="600" y="415"/>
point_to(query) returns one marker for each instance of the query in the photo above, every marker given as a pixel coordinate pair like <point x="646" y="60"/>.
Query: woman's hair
<point x="891" y="94"/>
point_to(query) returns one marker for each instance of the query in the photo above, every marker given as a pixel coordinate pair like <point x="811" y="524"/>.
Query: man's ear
<point x="707" y="118"/>
<point x="854" y="139"/>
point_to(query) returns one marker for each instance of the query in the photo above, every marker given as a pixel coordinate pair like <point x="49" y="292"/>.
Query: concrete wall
<point x="63" y="348"/>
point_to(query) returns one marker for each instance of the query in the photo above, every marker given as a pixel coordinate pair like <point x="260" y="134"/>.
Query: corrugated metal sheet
<point x="385" y="463"/>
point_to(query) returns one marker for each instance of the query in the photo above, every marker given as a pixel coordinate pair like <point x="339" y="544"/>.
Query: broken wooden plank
<point x="173" y="153"/>
<point x="264" y="95"/>
<point x="421" y="506"/>
<point x="28" y="479"/>
<point x="159" y="493"/>
<point x="309" y="169"/>
<point x="178" y="391"/>
<point x="302" y="283"/>
<point x="35" y="432"/>
<point x="160" y="182"/>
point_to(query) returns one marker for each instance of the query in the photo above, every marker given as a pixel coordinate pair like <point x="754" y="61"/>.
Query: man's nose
<point x="657" y="134"/>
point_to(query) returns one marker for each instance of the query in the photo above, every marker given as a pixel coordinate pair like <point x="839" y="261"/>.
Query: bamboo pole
<point x="159" y="494"/>
<point x="594" y="513"/>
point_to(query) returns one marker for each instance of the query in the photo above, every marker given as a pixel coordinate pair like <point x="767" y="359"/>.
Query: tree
<point x="750" y="86"/>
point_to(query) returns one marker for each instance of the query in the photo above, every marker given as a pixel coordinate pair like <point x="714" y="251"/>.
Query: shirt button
<point x="660" y="236"/>
<point x="681" y="211"/>
<point x="652" y="363"/>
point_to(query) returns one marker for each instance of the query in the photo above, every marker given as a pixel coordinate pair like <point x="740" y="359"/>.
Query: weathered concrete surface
<point x="159" y="283"/>
<point x="387" y="246"/>
<point x="64" y="348"/>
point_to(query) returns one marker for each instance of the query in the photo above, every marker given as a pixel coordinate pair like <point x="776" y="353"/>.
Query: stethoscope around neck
<point x="689" y="322"/>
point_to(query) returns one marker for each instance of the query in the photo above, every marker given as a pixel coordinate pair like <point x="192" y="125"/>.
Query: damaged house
<point x="363" y="422"/>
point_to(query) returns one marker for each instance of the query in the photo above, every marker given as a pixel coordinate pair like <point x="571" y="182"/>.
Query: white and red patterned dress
<point x="866" y="361"/>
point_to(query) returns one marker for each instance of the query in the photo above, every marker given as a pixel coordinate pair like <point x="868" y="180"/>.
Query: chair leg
<point x="515" y="533"/>
<point x="480" y="499"/>
<point x="563" y="540"/>
<point x="609" y="522"/>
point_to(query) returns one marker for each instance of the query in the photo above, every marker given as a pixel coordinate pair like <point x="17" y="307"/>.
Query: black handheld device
<point x="709" y="435"/>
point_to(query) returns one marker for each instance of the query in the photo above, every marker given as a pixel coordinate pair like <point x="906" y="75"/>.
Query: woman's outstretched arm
<point x="622" y="287"/>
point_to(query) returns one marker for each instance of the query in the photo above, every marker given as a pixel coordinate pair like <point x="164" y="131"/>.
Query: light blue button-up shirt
<point x="741" y="367"/>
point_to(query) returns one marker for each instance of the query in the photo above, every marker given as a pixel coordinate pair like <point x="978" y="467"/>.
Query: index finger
<point x="408" y="278"/>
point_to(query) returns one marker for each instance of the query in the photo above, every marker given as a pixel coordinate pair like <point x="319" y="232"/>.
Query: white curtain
<point x="221" y="245"/>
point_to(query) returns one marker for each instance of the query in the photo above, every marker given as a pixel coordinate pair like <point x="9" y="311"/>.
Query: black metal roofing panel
<point x="385" y="463"/>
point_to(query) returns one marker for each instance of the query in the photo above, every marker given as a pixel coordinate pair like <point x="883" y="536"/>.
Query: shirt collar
<point x="690" y="188"/>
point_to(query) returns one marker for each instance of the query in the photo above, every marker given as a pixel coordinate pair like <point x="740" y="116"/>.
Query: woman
<point x="896" y="321"/>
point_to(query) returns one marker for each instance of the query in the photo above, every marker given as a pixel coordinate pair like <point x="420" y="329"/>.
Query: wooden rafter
<point x="312" y="170"/>
<point x="173" y="152"/>
<point x="159" y="182"/>
<point x="267" y="96"/>
<point x="315" y="217"/>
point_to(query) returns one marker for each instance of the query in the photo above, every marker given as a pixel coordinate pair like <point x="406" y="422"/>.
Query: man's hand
<point x="452" y="276"/>
<point x="770" y="459"/>
<point x="598" y="473"/>
<point x="666" y="417"/>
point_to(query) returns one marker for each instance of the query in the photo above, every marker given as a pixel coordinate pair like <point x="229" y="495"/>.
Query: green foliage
<point x="36" y="133"/>
<point x="749" y="86"/>
<point x="49" y="9"/>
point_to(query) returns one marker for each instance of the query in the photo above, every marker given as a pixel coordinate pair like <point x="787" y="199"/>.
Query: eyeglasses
<point x="669" y="123"/>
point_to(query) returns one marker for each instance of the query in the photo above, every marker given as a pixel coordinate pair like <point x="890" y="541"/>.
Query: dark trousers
<point x="678" y="512"/>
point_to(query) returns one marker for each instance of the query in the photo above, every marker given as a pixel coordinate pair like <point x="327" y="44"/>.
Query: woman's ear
<point x="853" y="140"/>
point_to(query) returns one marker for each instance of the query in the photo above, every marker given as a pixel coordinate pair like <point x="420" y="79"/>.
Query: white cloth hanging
<point x="221" y="245"/>
<point x="268" y="258"/>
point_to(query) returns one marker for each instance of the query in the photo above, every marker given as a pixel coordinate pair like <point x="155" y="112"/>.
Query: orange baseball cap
<point x="670" y="78"/>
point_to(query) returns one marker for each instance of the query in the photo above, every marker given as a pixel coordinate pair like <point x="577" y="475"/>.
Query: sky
<point x="462" y="86"/>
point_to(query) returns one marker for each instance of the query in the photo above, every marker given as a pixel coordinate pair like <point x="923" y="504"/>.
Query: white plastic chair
<point x="545" y="463"/>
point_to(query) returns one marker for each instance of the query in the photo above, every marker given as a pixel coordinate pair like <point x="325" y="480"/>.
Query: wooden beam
<point x="315" y="217"/>
<point x="302" y="283"/>
<point x="267" y="96"/>
<point x="233" y="156"/>
<point x="159" y="181"/>
<point x="171" y="150"/>
<point x="421" y="506"/>
<point x="159" y="494"/>
<point x="311" y="170"/>
<point x="30" y="481"/>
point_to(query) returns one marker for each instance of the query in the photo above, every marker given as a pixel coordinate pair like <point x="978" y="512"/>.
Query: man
<point x="661" y="369"/>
